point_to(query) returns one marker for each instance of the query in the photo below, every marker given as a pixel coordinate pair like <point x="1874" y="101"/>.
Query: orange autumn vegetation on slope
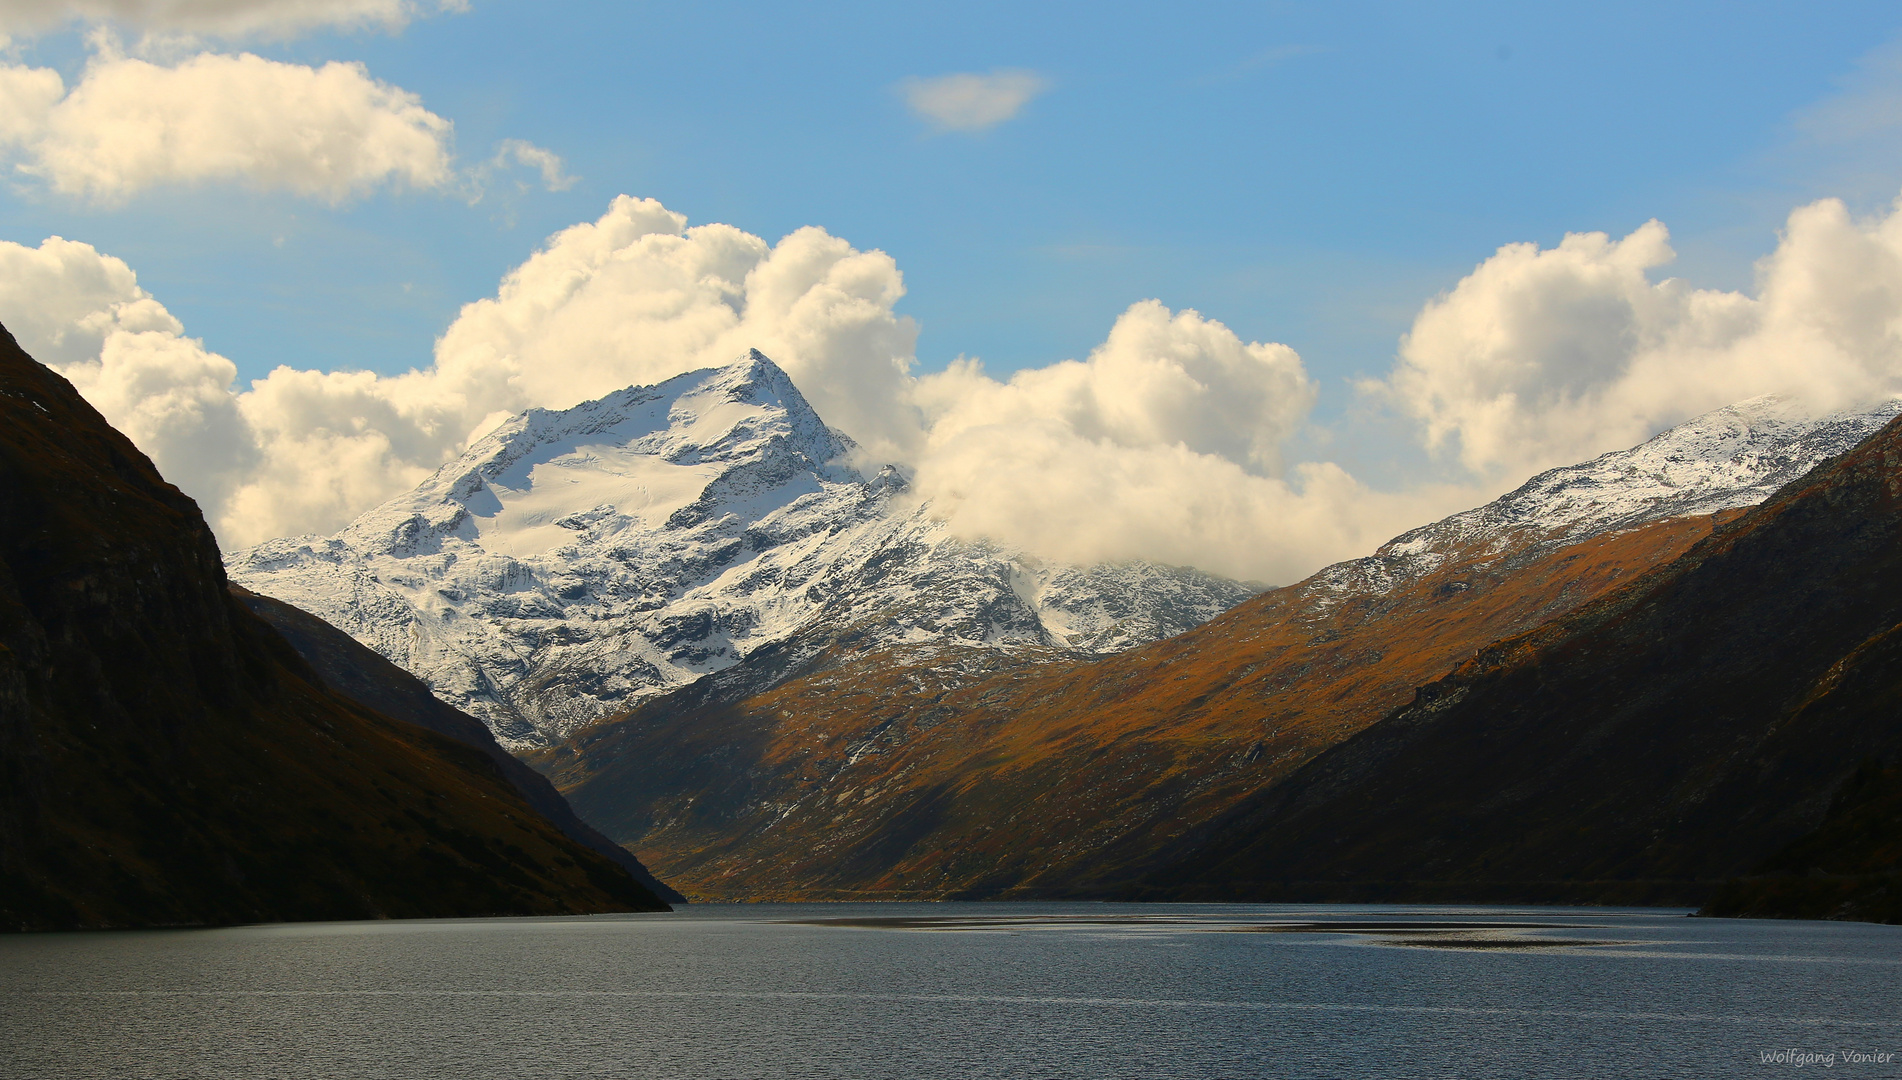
<point x="938" y="772"/>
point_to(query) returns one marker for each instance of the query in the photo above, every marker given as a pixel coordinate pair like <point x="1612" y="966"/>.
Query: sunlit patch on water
<point x="1409" y="933"/>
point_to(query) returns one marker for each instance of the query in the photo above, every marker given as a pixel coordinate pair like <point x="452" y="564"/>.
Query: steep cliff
<point x="352" y="671"/>
<point x="169" y="759"/>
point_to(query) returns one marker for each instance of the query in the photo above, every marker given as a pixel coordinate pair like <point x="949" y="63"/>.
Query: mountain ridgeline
<point x="840" y="768"/>
<point x="166" y="758"/>
<point x="573" y="563"/>
<point x="1672" y="674"/>
<point x="771" y="677"/>
<point x="1733" y="716"/>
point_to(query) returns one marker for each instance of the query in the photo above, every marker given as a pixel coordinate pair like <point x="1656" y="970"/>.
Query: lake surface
<point x="964" y="990"/>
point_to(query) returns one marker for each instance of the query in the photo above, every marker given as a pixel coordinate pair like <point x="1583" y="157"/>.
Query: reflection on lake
<point x="962" y="990"/>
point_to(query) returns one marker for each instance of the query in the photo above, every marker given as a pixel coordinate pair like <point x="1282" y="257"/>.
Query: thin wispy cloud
<point x="1851" y="142"/>
<point x="972" y="102"/>
<point x="1262" y="61"/>
<point x="221" y="18"/>
<point x="1867" y="105"/>
<point x="548" y="163"/>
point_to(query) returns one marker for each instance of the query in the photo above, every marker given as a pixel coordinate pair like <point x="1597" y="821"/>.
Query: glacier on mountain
<point x="573" y="562"/>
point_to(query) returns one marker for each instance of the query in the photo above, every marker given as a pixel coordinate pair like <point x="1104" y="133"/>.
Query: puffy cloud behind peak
<point x="1166" y="442"/>
<point x="638" y="296"/>
<point x="1544" y="357"/>
<point x="633" y="297"/>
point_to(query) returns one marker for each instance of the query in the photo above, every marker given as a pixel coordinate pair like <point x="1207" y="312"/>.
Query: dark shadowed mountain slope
<point x="1849" y="868"/>
<point x="169" y="759"/>
<point x="352" y="670"/>
<point x="1671" y="735"/>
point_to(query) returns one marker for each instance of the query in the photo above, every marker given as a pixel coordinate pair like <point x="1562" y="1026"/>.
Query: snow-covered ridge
<point x="572" y="562"/>
<point x="1732" y="457"/>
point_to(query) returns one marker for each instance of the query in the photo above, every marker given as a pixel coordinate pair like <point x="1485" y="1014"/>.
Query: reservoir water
<point x="964" y="990"/>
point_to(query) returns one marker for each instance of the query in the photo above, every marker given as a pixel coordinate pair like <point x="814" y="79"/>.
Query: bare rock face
<point x="574" y="563"/>
<point x="169" y="759"/>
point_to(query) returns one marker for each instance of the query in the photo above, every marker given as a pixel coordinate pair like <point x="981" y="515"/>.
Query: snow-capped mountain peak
<point x="573" y="561"/>
<point x="641" y="458"/>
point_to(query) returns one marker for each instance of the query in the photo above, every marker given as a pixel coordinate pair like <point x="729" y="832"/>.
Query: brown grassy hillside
<point x="957" y="772"/>
<point x="1674" y="734"/>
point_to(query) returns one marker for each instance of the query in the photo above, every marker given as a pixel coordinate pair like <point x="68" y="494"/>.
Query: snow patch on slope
<point x="1732" y="457"/>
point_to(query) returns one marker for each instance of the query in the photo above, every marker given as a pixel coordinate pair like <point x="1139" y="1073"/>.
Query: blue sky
<point x="1306" y="173"/>
<point x="1318" y="175"/>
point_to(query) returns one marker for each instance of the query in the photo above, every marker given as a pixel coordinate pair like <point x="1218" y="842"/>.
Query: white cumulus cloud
<point x="1166" y="442"/>
<point x="84" y="315"/>
<point x="637" y="296"/>
<point x="633" y="297"/>
<point x="328" y="132"/>
<point x="331" y="132"/>
<point x="1542" y="357"/>
<point x="970" y="101"/>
